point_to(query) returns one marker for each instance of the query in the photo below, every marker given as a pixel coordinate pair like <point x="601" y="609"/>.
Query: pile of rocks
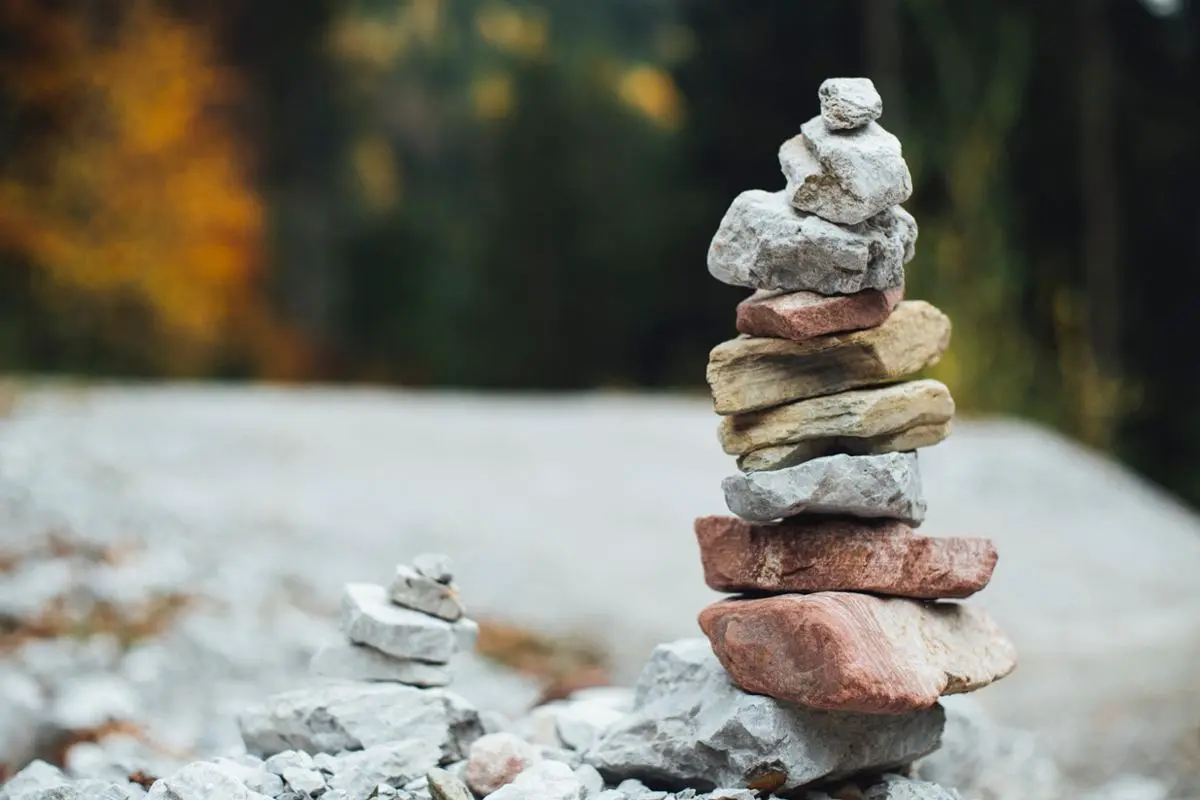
<point x="404" y="633"/>
<point x="818" y="407"/>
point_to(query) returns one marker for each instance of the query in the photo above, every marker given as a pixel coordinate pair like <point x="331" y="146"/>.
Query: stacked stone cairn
<point x="839" y="597"/>
<point x="403" y="633"/>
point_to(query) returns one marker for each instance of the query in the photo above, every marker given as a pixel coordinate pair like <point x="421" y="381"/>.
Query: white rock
<point x="434" y="566"/>
<point x="36" y="777"/>
<point x="580" y="723"/>
<point x="254" y="776"/>
<point x="590" y="777"/>
<point x="848" y="103"/>
<point x="289" y="759"/>
<point x="419" y="592"/>
<point x="897" y="787"/>
<point x="569" y="757"/>
<point x="764" y="243"/>
<point x="691" y="726"/>
<point x="90" y="701"/>
<point x="340" y="717"/>
<point x="496" y="759"/>
<point x="393" y="763"/>
<point x="844" y="176"/>
<point x="544" y="780"/>
<point x="306" y="781"/>
<point x="357" y="662"/>
<point x="885" y="485"/>
<point x="369" y="618"/>
<point x="22" y="717"/>
<point x="618" y="698"/>
<point x="201" y="780"/>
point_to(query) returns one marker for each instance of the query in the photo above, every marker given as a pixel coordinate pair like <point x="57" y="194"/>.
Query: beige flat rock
<point x="789" y="455"/>
<point x="751" y="373"/>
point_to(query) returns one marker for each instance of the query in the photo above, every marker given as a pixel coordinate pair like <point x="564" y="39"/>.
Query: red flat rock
<point x="840" y="651"/>
<point x="803" y="315"/>
<point x="822" y="554"/>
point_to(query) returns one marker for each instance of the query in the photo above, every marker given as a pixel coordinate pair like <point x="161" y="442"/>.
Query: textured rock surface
<point x="357" y="662"/>
<point x="752" y="373"/>
<point x="879" y="416"/>
<point x="691" y="725"/>
<point x="803" y="315"/>
<point x="394" y="763"/>
<point x="544" y="780"/>
<point x="201" y="781"/>
<point x="815" y="554"/>
<point x="369" y="618"/>
<point x="897" y="787"/>
<point x="444" y="786"/>
<point x="789" y="455"/>
<point x="887" y="485"/>
<point x="855" y="652"/>
<point x="419" y="592"/>
<point x="844" y="176"/>
<point x="848" y="103"/>
<point x="330" y="719"/>
<point x="763" y="243"/>
<point x="496" y="759"/>
<point x="435" y="566"/>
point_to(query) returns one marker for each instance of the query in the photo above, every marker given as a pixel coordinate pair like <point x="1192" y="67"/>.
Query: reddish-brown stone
<point x="841" y="651"/>
<point x="819" y="554"/>
<point x="803" y="315"/>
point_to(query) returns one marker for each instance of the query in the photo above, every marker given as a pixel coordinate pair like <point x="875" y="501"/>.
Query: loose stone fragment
<point x="338" y="717"/>
<point x="421" y="593"/>
<point x="201" y="780"/>
<point x="444" y="786"/>
<point x="393" y="763"/>
<point x="435" y="566"/>
<point x="803" y="315"/>
<point x="897" y="787"/>
<point x="848" y="103"/>
<point x="545" y="780"/>
<point x="763" y="243"/>
<point x="37" y="776"/>
<point x="857" y="420"/>
<point x="844" y="176"/>
<point x="357" y="662"/>
<point x="789" y="455"/>
<point x="887" y="485"/>
<point x="823" y="554"/>
<point x="369" y="618"/>
<point x="309" y="782"/>
<point x="752" y="373"/>
<point x="855" y="652"/>
<point x="496" y="759"/>
<point x="691" y="726"/>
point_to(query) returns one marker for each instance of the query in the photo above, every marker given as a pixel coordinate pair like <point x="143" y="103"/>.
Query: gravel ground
<point x="568" y="515"/>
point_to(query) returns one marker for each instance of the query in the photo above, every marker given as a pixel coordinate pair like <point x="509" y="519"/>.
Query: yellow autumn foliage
<point x="143" y="191"/>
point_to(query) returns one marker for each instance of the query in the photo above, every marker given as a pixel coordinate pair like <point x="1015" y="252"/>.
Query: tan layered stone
<point x="822" y="554"/>
<point x="859" y="422"/>
<point x="751" y="373"/>
<point x="803" y="315"/>
<point x="789" y="455"/>
<point x="841" y="651"/>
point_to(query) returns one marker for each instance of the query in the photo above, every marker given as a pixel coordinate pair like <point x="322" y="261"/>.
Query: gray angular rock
<point x="289" y="759"/>
<point x="763" y="243"/>
<point x="496" y="759"/>
<point x="692" y="726"/>
<point x="358" y="662"/>
<point x="306" y="781"/>
<point x="897" y="787"/>
<point x="444" y="786"/>
<point x="369" y="617"/>
<point x="201" y="780"/>
<point x="887" y="485"/>
<point x="435" y="566"/>
<point x="845" y="177"/>
<point x="37" y="776"/>
<point x="848" y="103"/>
<point x="85" y="790"/>
<point x="731" y="794"/>
<point x="590" y="777"/>
<point x="338" y="717"/>
<point x="545" y="780"/>
<point x="255" y="777"/>
<point x="395" y="763"/>
<point x="419" y="592"/>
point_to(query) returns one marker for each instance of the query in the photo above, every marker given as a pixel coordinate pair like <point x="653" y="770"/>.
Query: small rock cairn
<point x="818" y="407"/>
<point x="403" y="633"/>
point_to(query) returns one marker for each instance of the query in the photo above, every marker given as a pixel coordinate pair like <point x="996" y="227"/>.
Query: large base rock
<point x="692" y="727"/>
<point x="339" y="717"/>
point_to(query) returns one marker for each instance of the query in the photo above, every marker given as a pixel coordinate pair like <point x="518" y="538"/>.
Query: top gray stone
<point x="763" y="243"/>
<point x="691" y="726"/>
<point x="844" y="176"/>
<point x="435" y="566"/>
<point x="848" y="103"/>
<point x="369" y="617"/>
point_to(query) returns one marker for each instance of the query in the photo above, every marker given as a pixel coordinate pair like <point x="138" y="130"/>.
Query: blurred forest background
<point x="477" y="193"/>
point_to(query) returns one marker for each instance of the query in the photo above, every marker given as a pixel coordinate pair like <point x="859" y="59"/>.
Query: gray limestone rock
<point x="764" y="243"/>
<point x="845" y="177"/>
<point x="289" y="759"/>
<point x="306" y="781"/>
<point x="419" y="592"/>
<point x="202" y="780"/>
<point x="370" y="618"/>
<point x="435" y="566"/>
<point x="36" y="777"/>
<point x="590" y="777"/>
<point x="543" y="780"/>
<point x="444" y="786"/>
<point x="394" y="763"/>
<point x="255" y="777"/>
<point x="338" y="717"/>
<point x="692" y="726"/>
<point x="357" y="662"/>
<point x="848" y="103"/>
<point x="897" y="787"/>
<point x="886" y="485"/>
